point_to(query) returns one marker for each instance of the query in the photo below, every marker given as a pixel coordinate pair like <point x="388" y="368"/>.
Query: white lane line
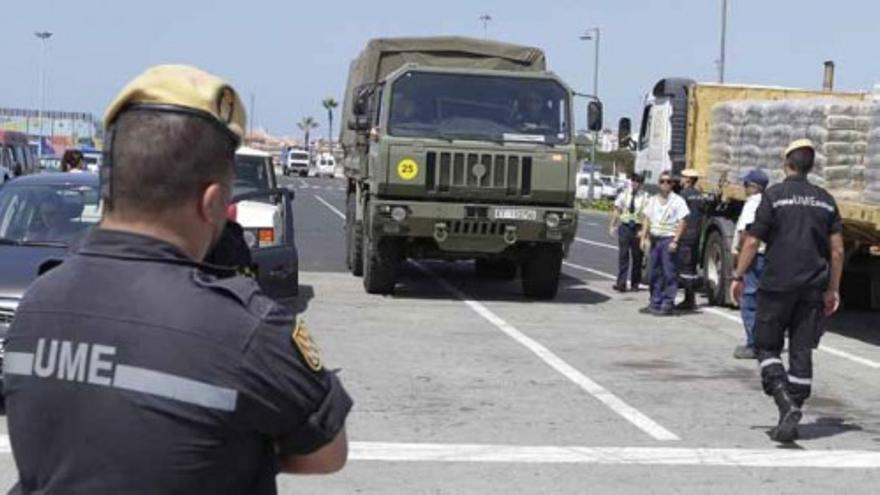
<point x="589" y="270"/>
<point x="602" y="394"/>
<point x="736" y="319"/>
<point x="594" y="243"/>
<point x="332" y="208"/>
<point x="651" y="456"/>
<point x="303" y="183"/>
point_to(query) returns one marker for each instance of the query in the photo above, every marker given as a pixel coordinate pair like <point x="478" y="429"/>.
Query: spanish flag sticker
<point x="307" y="346"/>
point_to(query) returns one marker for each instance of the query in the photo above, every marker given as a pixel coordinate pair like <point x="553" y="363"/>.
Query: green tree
<point x="306" y="125"/>
<point x="329" y="104"/>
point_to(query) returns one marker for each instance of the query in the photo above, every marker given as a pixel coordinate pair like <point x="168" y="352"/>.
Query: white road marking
<point x="332" y="208"/>
<point x="303" y="184"/>
<point x="589" y="270"/>
<point x="597" y="244"/>
<point x="736" y="319"/>
<point x="602" y="394"/>
<point x="651" y="456"/>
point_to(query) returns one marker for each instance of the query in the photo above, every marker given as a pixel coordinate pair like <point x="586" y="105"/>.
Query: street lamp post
<point x="43" y="37"/>
<point x="485" y="18"/>
<point x="722" y="59"/>
<point x="593" y="34"/>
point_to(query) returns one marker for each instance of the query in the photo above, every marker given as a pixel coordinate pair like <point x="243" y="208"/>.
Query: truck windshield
<point x="456" y="106"/>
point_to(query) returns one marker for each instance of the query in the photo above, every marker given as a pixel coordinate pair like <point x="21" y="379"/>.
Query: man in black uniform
<point x="801" y="225"/>
<point x="131" y="369"/>
<point x="689" y="247"/>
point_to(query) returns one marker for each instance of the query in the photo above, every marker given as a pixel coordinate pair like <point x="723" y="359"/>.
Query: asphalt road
<point x="461" y="386"/>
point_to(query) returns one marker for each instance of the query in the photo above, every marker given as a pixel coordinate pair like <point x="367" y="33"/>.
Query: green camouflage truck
<point x="459" y="149"/>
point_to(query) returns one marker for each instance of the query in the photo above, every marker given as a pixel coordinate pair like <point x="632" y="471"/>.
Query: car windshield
<point x="251" y="174"/>
<point x="456" y="106"/>
<point x="47" y="214"/>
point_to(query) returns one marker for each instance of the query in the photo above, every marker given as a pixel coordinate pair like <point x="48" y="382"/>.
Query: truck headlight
<point x="398" y="213"/>
<point x="552" y="220"/>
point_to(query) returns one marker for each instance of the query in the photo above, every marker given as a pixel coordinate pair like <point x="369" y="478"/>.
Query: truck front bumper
<point x="471" y="228"/>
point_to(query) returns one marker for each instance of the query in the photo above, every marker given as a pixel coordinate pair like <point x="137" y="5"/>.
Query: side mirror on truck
<point x="359" y="123"/>
<point x="594" y="116"/>
<point x="624" y="133"/>
<point x="362" y="95"/>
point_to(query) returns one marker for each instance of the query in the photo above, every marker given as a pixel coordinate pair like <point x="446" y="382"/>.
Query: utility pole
<point x="485" y="18"/>
<point x="44" y="38"/>
<point x="593" y="34"/>
<point x="722" y="59"/>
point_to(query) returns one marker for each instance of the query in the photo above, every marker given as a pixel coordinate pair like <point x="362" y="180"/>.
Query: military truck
<point x="678" y="126"/>
<point x="459" y="149"/>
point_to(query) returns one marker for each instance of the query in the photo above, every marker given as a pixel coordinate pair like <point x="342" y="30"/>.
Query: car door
<point x="277" y="264"/>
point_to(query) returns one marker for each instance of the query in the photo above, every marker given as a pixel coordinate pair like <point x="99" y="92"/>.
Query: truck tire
<point x="354" y="233"/>
<point x="380" y="265"/>
<point x="718" y="263"/>
<point x="497" y="269"/>
<point x="540" y="271"/>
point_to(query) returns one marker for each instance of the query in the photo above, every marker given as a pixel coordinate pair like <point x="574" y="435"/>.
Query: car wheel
<point x="718" y="263"/>
<point x="380" y="265"/>
<point x="540" y="271"/>
<point x="354" y="232"/>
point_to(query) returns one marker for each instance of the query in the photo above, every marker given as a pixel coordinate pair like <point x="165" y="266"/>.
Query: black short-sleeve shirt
<point x="796" y="219"/>
<point x="129" y="369"/>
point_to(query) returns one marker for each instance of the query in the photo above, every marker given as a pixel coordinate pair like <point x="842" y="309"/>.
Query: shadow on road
<point x="859" y="325"/>
<point x="415" y="284"/>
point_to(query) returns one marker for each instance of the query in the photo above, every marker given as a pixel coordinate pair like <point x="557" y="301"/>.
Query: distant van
<point x="16" y="156"/>
<point x="325" y="165"/>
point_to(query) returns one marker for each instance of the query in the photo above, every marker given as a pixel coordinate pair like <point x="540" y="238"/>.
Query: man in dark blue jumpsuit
<point x="801" y="225"/>
<point x="131" y="368"/>
<point x="688" y="252"/>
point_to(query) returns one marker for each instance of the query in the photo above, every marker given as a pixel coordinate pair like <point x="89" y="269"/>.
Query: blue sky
<point x="291" y="54"/>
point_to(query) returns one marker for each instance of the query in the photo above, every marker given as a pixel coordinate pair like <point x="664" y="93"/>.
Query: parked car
<point x="296" y="161"/>
<point x="325" y="165"/>
<point x="265" y="212"/>
<point x="16" y="156"/>
<point x="40" y="216"/>
<point x="604" y="187"/>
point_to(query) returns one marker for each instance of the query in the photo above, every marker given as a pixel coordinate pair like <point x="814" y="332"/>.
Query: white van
<point x="296" y="162"/>
<point x="325" y="165"/>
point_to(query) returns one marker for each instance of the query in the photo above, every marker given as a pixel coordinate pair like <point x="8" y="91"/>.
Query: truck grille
<point x="449" y="171"/>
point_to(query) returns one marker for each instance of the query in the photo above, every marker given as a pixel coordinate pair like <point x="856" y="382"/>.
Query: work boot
<point x="689" y="303"/>
<point x="745" y="352"/>
<point x="789" y="416"/>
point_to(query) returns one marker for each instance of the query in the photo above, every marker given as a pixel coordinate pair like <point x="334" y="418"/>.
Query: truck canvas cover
<point x="383" y="56"/>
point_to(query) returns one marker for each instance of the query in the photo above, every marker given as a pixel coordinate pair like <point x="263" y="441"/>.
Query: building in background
<point x="60" y="130"/>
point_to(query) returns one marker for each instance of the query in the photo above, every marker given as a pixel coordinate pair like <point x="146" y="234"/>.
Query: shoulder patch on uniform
<point x="306" y="345"/>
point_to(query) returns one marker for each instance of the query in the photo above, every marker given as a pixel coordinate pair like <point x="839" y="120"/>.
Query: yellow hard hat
<point x="798" y="144"/>
<point x="186" y="89"/>
<point x="690" y="173"/>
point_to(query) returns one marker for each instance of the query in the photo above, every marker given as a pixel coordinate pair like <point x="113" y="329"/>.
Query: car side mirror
<point x="359" y="123"/>
<point x="624" y="131"/>
<point x="594" y="116"/>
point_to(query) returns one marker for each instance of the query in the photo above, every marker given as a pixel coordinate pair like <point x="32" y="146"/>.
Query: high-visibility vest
<point x="641" y="202"/>
<point x="665" y="225"/>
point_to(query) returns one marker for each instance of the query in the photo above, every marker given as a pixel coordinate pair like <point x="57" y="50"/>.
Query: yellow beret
<point x="691" y="173"/>
<point x="797" y="144"/>
<point x="183" y="88"/>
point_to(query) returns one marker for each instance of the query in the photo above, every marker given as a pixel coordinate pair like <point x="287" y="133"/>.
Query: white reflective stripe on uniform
<point x="800" y="381"/>
<point x="138" y="379"/>
<point x="770" y="361"/>
<point x="18" y="363"/>
<point x="174" y="387"/>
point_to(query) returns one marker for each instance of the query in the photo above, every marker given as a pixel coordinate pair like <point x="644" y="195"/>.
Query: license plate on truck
<point x="515" y="214"/>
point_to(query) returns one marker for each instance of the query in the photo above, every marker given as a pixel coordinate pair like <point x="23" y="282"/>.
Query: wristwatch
<point x="737" y="278"/>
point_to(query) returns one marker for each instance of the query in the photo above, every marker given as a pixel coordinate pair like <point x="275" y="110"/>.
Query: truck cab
<point x="457" y="160"/>
<point x="663" y="130"/>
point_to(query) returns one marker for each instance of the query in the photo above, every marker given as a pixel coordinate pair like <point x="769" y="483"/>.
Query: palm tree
<point x="330" y="104"/>
<point x="306" y="125"/>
